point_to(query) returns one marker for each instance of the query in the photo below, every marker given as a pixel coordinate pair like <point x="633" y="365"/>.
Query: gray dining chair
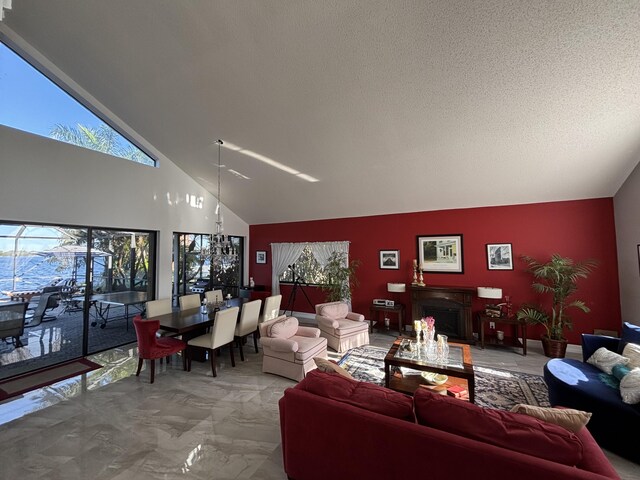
<point x="248" y="324"/>
<point x="222" y="333"/>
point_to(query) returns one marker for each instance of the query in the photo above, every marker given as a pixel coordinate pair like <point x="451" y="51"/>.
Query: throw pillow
<point x="511" y="431"/>
<point x="286" y="327"/>
<point x="632" y="352"/>
<point x="620" y="371"/>
<point x="359" y="394"/>
<point x="630" y="387"/>
<point x="630" y="334"/>
<point x="335" y="310"/>
<point x="572" y="420"/>
<point x="327" y="366"/>
<point x="606" y="359"/>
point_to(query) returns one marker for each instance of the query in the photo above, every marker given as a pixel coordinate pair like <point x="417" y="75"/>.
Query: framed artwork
<point x="499" y="256"/>
<point x="390" y="259"/>
<point x="261" y="256"/>
<point x="440" y="253"/>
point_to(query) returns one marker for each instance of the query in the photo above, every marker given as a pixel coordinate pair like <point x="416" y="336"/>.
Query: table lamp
<point x="491" y="293"/>
<point x="396" y="288"/>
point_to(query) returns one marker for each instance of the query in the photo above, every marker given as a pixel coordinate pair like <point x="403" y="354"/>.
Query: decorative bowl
<point x="434" y="378"/>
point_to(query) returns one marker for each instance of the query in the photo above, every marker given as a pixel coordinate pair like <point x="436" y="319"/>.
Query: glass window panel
<point x="37" y="105"/>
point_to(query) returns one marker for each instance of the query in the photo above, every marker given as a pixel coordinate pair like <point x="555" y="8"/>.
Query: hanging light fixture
<point x="222" y="251"/>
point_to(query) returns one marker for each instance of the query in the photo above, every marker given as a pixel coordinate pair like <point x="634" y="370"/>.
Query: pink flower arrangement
<point x="429" y="321"/>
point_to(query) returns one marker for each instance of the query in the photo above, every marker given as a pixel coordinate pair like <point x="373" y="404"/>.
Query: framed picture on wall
<point x="440" y="253"/>
<point x="261" y="256"/>
<point x="390" y="259"/>
<point x="499" y="256"/>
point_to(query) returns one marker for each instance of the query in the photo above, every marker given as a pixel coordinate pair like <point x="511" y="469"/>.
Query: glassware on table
<point x="431" y="351"/>
<point x="442" y="350"/>
<point x="417" y="327"/>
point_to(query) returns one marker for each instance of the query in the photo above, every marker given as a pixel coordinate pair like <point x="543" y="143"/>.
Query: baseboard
<point x="307" y="318"/>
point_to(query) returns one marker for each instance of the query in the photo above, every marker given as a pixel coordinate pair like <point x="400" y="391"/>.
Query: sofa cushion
<point x="569" y="418"/>
<point x="329" y="366"/>
<point x="630" y="334"/>
<point x="632" y="352"/>
<point x="605" y="359"/>
<point x="359" y="394"/>
<point x="283" y="328"/>
<point x="334" y="310"/>
<point x="512" y="431"/>
<point x="630" y="387"/>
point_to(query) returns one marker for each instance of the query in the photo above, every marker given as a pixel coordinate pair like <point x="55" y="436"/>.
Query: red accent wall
<point x="577" y="229"/>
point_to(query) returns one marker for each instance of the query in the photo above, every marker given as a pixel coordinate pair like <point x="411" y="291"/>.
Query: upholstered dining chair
<point x="187" y="302"/>
<point x="342" y="329"/>
<point x="271" y="308"/>
<point x="222" y="333"/>
<point x="155" y="308"/>
<point x="213" y="296"/>
<point x="248" y="324"/>
<point x="151" y="347"/>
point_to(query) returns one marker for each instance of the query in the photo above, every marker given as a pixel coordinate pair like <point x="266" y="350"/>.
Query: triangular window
<point x="29" y="101"/>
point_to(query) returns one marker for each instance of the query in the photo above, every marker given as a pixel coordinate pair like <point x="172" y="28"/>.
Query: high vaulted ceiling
<point x="394" y="106"/>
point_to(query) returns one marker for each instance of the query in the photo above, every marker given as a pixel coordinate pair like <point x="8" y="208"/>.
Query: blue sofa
<point x="577" y="384"/>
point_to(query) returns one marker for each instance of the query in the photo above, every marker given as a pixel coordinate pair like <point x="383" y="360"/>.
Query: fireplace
<point x="450" y="306"/>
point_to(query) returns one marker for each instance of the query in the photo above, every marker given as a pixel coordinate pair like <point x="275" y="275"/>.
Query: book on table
<point x="457" y="391"/>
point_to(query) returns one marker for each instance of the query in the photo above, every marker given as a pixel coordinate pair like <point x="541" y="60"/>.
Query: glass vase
<point x="442" y="350"/>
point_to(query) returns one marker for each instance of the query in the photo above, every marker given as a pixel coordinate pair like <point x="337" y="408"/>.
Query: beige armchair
<point x="289" y="349"/>
<point x="342" y="329"/>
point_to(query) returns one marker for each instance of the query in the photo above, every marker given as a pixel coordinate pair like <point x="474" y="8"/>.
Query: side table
<point x="519" y="329"/>
<point x="375" y="310"/>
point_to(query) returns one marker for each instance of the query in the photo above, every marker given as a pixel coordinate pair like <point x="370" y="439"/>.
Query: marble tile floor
<point x="109" y="424"/>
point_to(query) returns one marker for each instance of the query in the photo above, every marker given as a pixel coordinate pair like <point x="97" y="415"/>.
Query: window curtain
<point x="282" y="255"/>
<point x="323" y="250"/>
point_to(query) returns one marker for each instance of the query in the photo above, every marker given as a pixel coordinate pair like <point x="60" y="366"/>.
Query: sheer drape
<point x="282" y="255"/>
<point x="323" y="250"/>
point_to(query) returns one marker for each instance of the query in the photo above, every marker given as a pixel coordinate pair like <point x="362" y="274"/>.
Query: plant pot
<point x="554" y="348"/>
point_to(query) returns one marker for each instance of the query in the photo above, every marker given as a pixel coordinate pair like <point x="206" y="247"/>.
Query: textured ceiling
<point x="392" y="106"/>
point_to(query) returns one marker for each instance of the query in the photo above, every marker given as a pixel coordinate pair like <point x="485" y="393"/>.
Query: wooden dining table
<point x="192" y="323"/>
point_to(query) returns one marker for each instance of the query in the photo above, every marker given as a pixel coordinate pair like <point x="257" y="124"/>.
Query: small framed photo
<point x="440" y="253"/>
<point x="389" y="259"/>
<point x="261" y="256"/>
<point x="499" y="256"/>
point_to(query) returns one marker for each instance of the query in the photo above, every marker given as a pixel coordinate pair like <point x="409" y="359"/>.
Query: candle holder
<point x="415" y="273"/>
<point x="420" y="279"/>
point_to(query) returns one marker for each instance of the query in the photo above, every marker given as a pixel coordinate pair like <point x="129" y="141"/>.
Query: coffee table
<point x="407" y="378"/>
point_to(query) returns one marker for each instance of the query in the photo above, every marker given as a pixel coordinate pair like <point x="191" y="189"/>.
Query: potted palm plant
<point x="558" y="277"/>
<point x="340" y="277"/>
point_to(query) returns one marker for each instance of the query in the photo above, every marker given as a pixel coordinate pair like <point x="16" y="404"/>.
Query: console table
<point x="375" y="310"/>
<point x="507" y="341"/>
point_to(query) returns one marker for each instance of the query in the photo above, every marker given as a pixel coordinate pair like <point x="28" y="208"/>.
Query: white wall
<point x="46" y="181"/>
<point x="627" y="215"/>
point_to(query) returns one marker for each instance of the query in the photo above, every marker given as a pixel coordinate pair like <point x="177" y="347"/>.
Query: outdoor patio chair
<point x="46" y="301"/>
<point x="12" y="317"/>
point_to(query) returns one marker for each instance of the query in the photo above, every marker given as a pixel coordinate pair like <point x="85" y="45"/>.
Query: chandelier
<point x="222" y="251"/>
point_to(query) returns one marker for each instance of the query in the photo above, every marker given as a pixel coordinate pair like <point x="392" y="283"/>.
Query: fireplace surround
<point x="449" y="305"/>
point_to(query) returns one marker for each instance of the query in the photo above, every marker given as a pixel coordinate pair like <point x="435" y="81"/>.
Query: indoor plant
<point x="340" y="277"/>
<point x="558" y="277"/>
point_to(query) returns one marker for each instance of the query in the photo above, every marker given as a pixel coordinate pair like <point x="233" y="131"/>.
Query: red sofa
<point x="335" y="427"/>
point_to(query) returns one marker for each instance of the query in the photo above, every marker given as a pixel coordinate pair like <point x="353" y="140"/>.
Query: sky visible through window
<point x="31" y="102"/>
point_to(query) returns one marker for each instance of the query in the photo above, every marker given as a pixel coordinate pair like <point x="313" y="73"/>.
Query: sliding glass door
<point x="69" y="289"/>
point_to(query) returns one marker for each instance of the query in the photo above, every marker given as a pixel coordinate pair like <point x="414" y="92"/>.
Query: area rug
<point x="30" y="381"/>
<point x="494" y="388"/>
